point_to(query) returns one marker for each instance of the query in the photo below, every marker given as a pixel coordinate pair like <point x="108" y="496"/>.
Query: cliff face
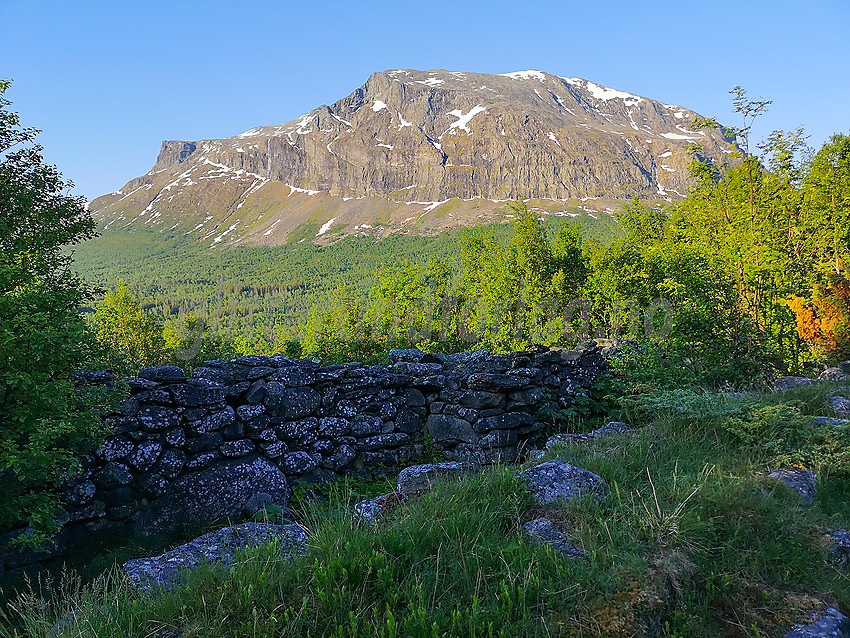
<point x="389" y="156"/>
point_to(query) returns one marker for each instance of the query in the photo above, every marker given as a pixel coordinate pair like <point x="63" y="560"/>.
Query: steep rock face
<point x="408" y="142"/>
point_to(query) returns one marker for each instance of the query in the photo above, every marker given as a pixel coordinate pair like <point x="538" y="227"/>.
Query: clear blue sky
<point x="108" y="81"/>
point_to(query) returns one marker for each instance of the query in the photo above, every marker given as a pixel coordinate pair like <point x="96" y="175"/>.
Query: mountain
<point x="418" y="152"/>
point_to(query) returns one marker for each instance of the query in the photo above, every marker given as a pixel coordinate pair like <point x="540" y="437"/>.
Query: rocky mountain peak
<point x="388" y="156"/>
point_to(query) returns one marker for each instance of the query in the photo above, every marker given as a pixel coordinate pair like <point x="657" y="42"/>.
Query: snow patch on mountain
<point x="531" y="74"/>
<point x="463" y="119"/>
<point x="326" y="227"/>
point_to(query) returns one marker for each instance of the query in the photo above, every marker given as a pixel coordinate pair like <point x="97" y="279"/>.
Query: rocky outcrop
<point x="218" y="547"/>
<point x="408" y="147"/>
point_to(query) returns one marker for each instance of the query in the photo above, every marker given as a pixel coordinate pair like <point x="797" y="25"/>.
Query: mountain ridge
<point x="419" y="152"/>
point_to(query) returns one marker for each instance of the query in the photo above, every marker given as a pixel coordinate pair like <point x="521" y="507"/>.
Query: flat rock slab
<point x="422" y="477"/>
<point x="216" y="547"/>
<point x="552" y="481"/>
<point x="803" y="482"/>
<point x="545" y="532"/>
<point x="828" y="624"/>
<point x="614" y="427"/>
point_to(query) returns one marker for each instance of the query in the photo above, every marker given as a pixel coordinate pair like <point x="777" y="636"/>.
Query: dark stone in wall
<point x="213" y="493"/>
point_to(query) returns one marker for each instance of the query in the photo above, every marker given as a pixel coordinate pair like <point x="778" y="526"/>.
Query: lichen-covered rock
<point x="295" y="376"/>
<point x="171" y="463"/>
<point x="545" y="532"/>
<point x="236" y="449"/>
<point x="216" y="492"/>
<point x="157" y="418"/>
<point x="382" y="441"/>
<point x="422" y="477"/>
<point x="176" y="437"/>
<point x="342" y="457"/>
<point x="219" y="547"/>
<point x="366" y="425"/>
<point x="828" y="624"/>
<point x="509" y="421"/>
<point x="556" y="480"/>
<point x="803" y="482"/>
<point x="80" y="492"/>
<point x="297" y="463"/>
<point x="490" y="382"/>
<point x="213" y="422"/>
<point x="368" y="511"/>
<point x="291" y="403"/>
<point x="332" y="426"/>
<point x="114" y="448"/>
<point x="144" y="455"/>
<point x="113" y="475"/>
<point x="297" y="429"/>
<point x="833" y="374"/>
<point x="197" y="392"/>
<point x="826" y="420"/>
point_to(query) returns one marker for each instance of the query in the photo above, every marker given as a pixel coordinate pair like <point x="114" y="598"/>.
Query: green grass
<point x="690" y="540"/>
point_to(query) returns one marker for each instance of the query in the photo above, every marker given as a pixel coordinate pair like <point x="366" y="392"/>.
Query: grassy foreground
<point x="691" y="540"/>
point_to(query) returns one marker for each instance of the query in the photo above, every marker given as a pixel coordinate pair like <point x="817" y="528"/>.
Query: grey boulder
<point x="841" y="405"/>
<point x="803" y="482"/>
<point x="553" y="481"/>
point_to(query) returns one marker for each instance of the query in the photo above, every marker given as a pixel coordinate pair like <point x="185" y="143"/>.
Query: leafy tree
<point x="45" y="422"/>
<point x="133" y="335"/>
<point x="642" y="225"/>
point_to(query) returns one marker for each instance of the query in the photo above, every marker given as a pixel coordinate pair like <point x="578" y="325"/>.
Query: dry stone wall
<point x="235" y="435"/>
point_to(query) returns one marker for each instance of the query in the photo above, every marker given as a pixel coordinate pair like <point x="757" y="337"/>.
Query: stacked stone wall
<point x="183" y="448"/>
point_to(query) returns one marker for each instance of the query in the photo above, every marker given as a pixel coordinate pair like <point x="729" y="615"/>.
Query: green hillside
<point x="251" y="289"/>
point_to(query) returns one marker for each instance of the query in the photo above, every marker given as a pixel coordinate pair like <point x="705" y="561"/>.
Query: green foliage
<point x="132" y="334"/>
<point x="642" y="225"/>
<point x="45" y="422"/>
